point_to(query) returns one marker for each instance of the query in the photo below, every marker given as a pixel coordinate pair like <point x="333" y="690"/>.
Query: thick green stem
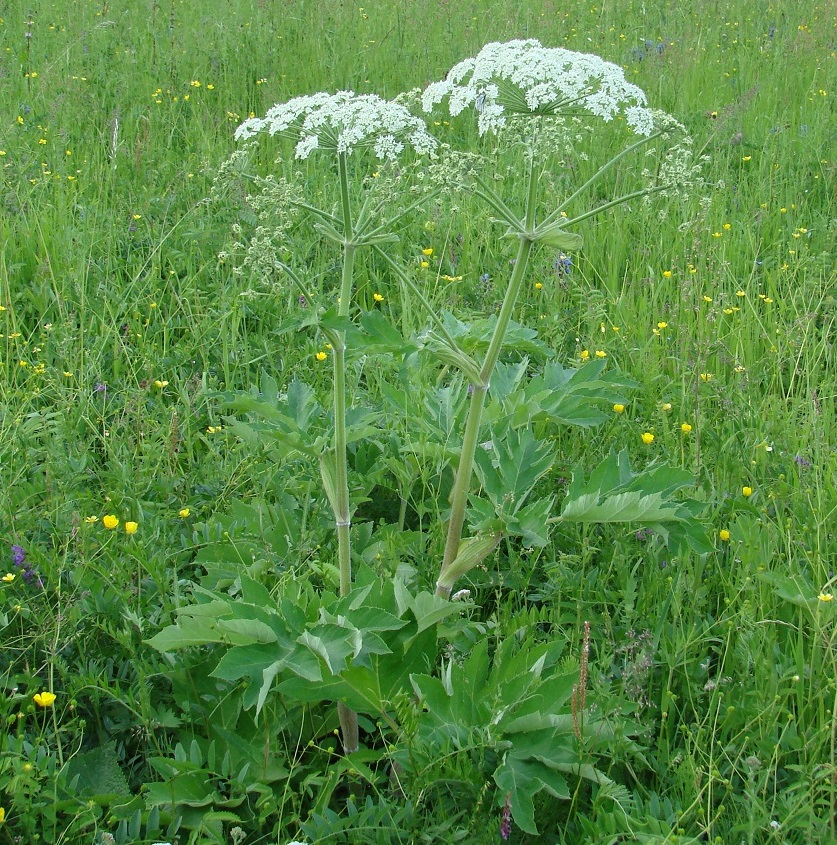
<point x="464" y="472"/>
<point x="462" y="483"/>
<point x="342" y="512"/>
<point x="342" y="515"/>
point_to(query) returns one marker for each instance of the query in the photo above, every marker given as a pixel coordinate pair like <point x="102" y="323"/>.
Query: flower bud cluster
<point x="342" y="122"/>
<point x="524" y="77"/>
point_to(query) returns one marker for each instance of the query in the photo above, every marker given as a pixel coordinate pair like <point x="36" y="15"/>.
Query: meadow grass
<point x="122" y="322"/>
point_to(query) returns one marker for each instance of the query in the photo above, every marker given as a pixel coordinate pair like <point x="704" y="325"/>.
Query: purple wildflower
<point x="563" y="265"/>
<point x="801" y="462"/>
<point x="29" y="574"/>
<point x="505" y="823"/>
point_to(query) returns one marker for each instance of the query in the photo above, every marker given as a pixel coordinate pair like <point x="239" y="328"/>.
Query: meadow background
<point x="121" y="321"/>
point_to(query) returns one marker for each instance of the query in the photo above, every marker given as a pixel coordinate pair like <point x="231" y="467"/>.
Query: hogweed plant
<point x="338" y="126"/>
<point x="526" y="83"/>
<point x="365" y="650"/>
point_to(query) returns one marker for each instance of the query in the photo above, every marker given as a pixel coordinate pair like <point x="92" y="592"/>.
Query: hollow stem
<point x="464" y="472"/>
<point x="342" y="513"/>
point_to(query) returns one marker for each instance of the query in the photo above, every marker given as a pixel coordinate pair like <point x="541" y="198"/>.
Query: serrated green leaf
<point x="302" y="404"/>
<point x="254" y="592"/>
<point x="615" y="494"/>
<point x="521" y="780"/>
<point x="381" y="336"/>
<point x="193" y="789"/>
<point x="333" y="644"/>
<point x="254" y="630"/>
<point x="269" y="674"/>
<point x="247" y="662"/>
<point x="532" y="523"/>
<point x="510" y="467"/>
<point x="430" y="609"/>
<point x="186" y="633"/>
<point x="622" y="507"/>
<point x="506" y="378"/>
<point x="557" y="238"/>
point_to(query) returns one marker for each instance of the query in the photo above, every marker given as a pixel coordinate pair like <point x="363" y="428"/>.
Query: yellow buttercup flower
<point x="110" y="521"/>
<point x="747" y="491"/>
<point x="647" y="438"/>
<point x="428" y="252"/>
<point x="825" y="597"/>
<point x="44" y="699"/>
<point x="618" y="408"/>
<point x="9" y="576"/>
<point x="131" y="527"/>
<point x="2" y="814"/>
<point x="600" y="353"/>
<point x="584" y="354"/>
<point x="321" y="356"/>
<point x="685" y="428"/>
<point x="378" y="297"/>
<point x="666" y="274"/>
<point x="724" y="535"/>
<point x="183" y="513"/>
<point x="666" y="406"/>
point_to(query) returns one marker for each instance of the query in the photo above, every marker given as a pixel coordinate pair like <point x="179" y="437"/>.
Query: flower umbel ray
<point x="524" y="77"/>
<point x="341" y="123"/>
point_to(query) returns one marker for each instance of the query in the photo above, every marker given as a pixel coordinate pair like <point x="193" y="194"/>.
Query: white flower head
<point x="342" y="122"/>
<point x="524" y="77"/>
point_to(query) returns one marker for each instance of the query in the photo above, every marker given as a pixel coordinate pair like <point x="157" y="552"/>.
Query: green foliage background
<point x="122" y="323"/>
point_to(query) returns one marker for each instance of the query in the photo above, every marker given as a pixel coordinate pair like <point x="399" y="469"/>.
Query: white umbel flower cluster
<point x="342" y="122"/>
<point x="524" y="77"/>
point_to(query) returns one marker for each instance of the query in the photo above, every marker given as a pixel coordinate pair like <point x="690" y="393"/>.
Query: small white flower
<point x="342" y="122"/>
<point x="524" y="77"/>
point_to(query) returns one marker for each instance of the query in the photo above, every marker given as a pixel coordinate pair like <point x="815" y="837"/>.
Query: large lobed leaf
<point x="615" y="494"/>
